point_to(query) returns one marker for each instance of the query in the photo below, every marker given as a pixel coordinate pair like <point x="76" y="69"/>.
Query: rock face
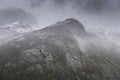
<point x="53" y="53"/>
<point x="11" y="15"/>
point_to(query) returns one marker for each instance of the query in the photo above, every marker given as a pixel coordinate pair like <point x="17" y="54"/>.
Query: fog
<point x="91" y="13"/>
<point x="76" y="34"/>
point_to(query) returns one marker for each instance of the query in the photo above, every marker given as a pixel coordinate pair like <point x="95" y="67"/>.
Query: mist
<point x="91" y="13"/>
<point x="59" y="40"/>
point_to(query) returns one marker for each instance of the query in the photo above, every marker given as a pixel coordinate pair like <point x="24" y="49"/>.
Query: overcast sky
<point x="92" y="13"/>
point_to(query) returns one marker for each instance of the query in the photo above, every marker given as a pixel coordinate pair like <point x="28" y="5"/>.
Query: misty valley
<point x="65" y="49"/>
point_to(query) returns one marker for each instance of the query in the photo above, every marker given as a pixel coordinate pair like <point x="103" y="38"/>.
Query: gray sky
<point x="92" y="13"/>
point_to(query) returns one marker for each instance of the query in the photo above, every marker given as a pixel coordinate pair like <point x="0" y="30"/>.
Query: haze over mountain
<point x="59" y="40"/>
<point x="12" y="15"/>
<point x="92" y="13"/>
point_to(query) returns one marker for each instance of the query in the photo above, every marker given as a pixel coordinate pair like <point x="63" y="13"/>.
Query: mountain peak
<point x="72" y="21"/>
<point x="75" y="26"/>
<point x="69" y="25"/>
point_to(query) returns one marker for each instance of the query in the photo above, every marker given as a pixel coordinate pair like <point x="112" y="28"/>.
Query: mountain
<point x="13" y="30"/>
<point x="62" y="51"/>
<point x="11" y="15"/>
<point x="15" y="21"/>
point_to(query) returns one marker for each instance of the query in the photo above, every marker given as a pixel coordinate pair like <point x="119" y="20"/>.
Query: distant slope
<point x="11" y="15"/>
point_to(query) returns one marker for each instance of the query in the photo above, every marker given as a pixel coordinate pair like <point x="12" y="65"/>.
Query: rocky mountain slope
<point x="62" y="51"/>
